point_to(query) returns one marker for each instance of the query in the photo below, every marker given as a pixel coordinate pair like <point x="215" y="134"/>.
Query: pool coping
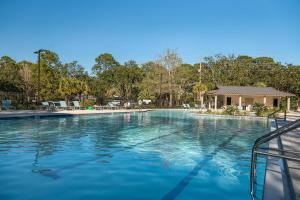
<point x="232" y="116"/>
<point x="42" y="113"/>
<point x="33" y="113"/>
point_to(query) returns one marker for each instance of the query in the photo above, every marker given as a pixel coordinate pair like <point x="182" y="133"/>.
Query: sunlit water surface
<point x="149" y="155"/>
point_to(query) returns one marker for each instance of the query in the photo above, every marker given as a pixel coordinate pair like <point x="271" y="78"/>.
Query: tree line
<point x="167" y="81"/>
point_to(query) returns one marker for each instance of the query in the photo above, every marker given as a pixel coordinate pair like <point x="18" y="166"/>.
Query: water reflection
<point x="179" y="139"/>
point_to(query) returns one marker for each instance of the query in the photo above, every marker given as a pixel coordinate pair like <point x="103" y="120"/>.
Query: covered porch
<point x="245" y="96"/>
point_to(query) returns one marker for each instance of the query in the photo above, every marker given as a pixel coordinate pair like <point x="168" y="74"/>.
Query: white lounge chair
<point x="111" y="105"/>
<point x="45" y="105"/>
<point x="76" y="105"/>
<point x="61" y="105"/>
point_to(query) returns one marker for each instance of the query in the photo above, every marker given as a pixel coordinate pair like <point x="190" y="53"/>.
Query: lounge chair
<point x="184" y="106"/>
<point x="45" y="105"/>
<point x="97" y="107"/>
<point x="61" y="105"/>
<point x="147" y="101"/>
<point x="76" y="105"/>
<point x="128" y="105"/>
<point x="6" y="105"/>
<point x="202" y="108"/>
<point x="114" y="104"/>
<point x="188" y="106"/>
<point x="111" y="105"/>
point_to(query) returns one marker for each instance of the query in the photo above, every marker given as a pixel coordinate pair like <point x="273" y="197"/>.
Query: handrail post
<point x="285" y="115"/>
<point x="253" y="173"/>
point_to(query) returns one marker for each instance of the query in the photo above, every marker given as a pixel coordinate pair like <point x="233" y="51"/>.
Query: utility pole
<point x="160" y="97"/>
<point x="200" y="73"/>
<point x="39" y="72"/>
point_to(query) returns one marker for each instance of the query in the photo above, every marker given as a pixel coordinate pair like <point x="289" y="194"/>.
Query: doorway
<point x="228" y="101"/>
<point x="275" y="103"/>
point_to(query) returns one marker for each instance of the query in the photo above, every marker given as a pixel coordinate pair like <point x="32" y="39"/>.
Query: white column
<point x="209" y="100"/>
<point x="225" y="101"/>
<point x="265" y="101"/>
<point x="288" y="106"/>
<point x="216" y="101"/>
<point x="278" y="106"/>
<point x="240" y="101"/>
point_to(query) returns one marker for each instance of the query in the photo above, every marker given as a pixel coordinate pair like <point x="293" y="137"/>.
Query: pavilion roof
<point x="249" y="91"/>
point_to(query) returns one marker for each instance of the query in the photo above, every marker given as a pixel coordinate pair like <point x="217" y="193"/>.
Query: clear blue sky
<point x="142" y="29"/>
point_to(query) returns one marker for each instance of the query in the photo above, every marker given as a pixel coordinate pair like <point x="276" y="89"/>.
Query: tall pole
<point x="200" y="71"/>
<point x="39" y="76"/>
<point x="160" y="83"/>
<point x="39" y="72"/>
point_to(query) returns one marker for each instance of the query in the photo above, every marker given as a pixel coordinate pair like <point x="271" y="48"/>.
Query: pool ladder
<point x="273" y="152"/>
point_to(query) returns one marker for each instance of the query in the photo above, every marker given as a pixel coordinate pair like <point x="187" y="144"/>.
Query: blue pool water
<point x="150" y="155"/>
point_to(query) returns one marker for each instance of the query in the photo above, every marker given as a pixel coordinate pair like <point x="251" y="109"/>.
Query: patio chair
<point x="203" y="107"/>
<point x="6" y="105"/>
<point x="240" y="108"/>
<point x="248" y="108"/>
<point x="127" y="105"/>
<point x="76" y="105"/>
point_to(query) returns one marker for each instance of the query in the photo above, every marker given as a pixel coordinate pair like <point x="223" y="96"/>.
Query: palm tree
<point x="199" y="90"/>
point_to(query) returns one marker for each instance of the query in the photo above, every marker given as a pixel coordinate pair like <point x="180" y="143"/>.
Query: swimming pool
<point x="147" y="155"/>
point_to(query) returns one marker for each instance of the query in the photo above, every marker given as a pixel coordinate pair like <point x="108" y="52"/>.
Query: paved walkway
<point x="282" y="181"/>
<point x="33" y="113"/>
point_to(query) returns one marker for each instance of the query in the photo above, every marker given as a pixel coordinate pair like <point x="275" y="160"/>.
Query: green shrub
<point x="27" y="106"/>
<point x="242" y="113"/>
<point x="209" y="111"/>
<point x="260" y="109"/>
<point x="231" y="110"/>
<point x="88" y="102"/>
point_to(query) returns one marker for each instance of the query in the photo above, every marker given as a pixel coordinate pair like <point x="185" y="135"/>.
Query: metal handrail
<point x="280" y="150"/>
<point x="266" y="138"/>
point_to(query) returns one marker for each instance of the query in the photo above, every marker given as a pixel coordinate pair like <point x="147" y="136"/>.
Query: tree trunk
<point x="201" y="100"/>
<point x="67" y="100"/>
<point x="170" y="90"/>
<point x="178" y="99"/>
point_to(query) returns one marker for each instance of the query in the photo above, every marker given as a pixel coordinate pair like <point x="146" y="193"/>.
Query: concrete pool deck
<point x="40" y="113"/>
<point x="282" y="181"/>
